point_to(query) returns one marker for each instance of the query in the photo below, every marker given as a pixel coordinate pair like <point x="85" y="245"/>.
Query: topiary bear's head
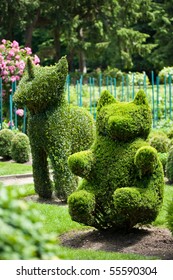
<point x="123" y="121"/>
<point x="41" y="87"/>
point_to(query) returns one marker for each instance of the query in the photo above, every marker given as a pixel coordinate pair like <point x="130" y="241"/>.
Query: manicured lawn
<point x="168" y="195"/>
<point x="11" y="168"/>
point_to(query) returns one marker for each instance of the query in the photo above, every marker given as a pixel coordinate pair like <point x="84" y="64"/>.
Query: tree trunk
<point x="82" y="62"/>
<point x="30" y="29"/>
<point x="57" y="43"/>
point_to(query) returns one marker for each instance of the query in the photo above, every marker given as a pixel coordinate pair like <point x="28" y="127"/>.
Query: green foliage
<point x="20" y="148"/>
<point x="169" y="216"/>
<point x="146" y="160"/>
<point x="169" y="165"/>
<point x="6" y="136"/>
<point x="163" y="157"/>
<point x="160" y="143"/>
<point x="82" y="202"/>
<point x="170" y="133"/>
<point x="55" y="128"/>
<point x="166" y="72"/>
<point x="137" y="79"/>
<point x="22" y="236"/>
<point x="121" y="173"/>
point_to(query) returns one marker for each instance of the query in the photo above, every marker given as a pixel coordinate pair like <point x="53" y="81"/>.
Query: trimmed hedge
<point x="169" y="165"/>
<point x="20" y="148"/>
<point x="55" y="128"/>
<point x="169" y="216"/>
<point x="122" y="175"/>
<point x="160" y="143"/>
<point x="6" y="136"/>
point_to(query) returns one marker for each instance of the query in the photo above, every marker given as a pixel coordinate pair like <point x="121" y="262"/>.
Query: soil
<point x="146" y="241"/>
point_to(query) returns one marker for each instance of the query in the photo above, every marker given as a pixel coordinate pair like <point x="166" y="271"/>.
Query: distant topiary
<point x="20" y="148"/>
<point x="6" y="136"/>
<point x="22" y="236"/>
<point x="169" y="165"/>
<point x="163" y="159"/>
<point x="122" y="176"/>
<point x="55" y="128"/>
<point x="160" y="143"/>
<point x="169" y="216"/>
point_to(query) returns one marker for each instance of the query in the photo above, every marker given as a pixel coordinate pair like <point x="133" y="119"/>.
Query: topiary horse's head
<point x="41" y="87"/>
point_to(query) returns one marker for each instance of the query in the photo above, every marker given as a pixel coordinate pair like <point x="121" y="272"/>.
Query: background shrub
<point x="163" y="158"/>
<point x="169" y="165"/>
<point x="169" y="216"/>
<point x="160" y="143"/>
<point x="22" y="236"/>
<point x="20" y="148"/>
<point x="165" y="72"/>
<point x="6" y="136"/>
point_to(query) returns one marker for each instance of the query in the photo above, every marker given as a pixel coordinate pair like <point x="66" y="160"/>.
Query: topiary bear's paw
<point x="127" y="201"/>
<point x="81" y="163"/>
<point x="81" y="207"/>
<point x="146" y="160"/>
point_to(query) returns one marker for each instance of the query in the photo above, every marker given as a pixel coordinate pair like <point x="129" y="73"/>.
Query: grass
<point x="11" y="168"/>
<point x="168" y="194"/>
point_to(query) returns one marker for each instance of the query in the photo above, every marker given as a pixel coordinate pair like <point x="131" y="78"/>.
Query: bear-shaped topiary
<point x="123" y="181"/>
<point x="55" y="128"/>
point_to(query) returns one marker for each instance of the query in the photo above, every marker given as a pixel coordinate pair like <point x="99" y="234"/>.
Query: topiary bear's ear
<point x="105" y="99"/>
<point x="140" y="98"/>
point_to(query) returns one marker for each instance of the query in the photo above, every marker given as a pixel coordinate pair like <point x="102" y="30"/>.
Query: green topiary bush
<point x="20" y="148"/>
<point x="169" y="166"/>
<point x="6" y="136"/>
<point x="169" y="216"/>
<point x="22" y="236"/>
<point x="55" y="128"/>
<point x="160" y="143"/>
<point x="122" y="175"/>
<point x="163" y="159"/>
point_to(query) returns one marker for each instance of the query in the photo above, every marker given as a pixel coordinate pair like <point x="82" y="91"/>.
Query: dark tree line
<point x="126" y="34"/>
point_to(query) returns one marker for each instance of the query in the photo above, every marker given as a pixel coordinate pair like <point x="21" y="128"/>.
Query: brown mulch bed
<point x="150" y="241"/>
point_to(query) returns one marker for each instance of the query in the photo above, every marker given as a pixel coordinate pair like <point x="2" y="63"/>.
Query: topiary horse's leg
<point x="42" y="182"/>
<point x="64" y="181"/>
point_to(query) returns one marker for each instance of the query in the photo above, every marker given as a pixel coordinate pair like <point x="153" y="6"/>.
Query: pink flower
<point x="13" y="78"/>
<point x="2" y="47"/>
<point x="20" y="112"/>
<point x="11" y="68"/>
<point x="10" y="124"/>
<point x="11" y="53"/>
<point x="15" y="44"/>
<point x="36" y="59"/>
<point x="4" y="41"/>
<point x="22" y="65"/>
<point x="28" y="50"/>
<point x="17" y="77"/>
<point x="4" y="72"/>
<point x="17" y="57"/>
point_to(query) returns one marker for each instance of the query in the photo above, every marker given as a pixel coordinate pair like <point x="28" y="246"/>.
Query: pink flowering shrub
<point x="13" y="59"/>
<point x="12" y="64"/>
